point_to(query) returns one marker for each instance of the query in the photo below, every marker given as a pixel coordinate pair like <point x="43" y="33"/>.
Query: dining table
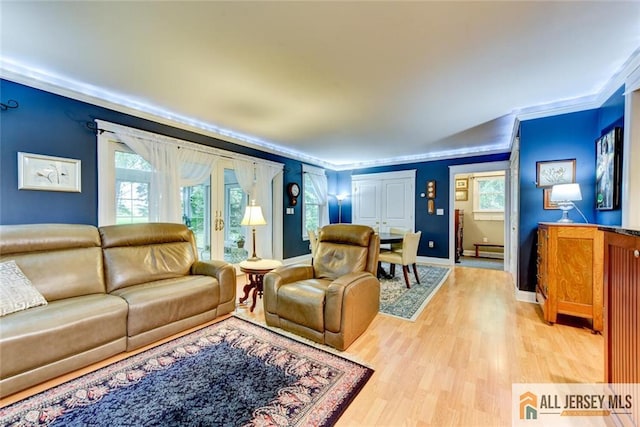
<point x="387" y="238"/>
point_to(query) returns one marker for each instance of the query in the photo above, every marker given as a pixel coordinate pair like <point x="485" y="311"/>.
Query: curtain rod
<point x="188" y="144"/>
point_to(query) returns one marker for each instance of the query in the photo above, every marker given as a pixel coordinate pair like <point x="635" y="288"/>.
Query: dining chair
<point x="397" y="247"/>
<point x="406" y="257"/>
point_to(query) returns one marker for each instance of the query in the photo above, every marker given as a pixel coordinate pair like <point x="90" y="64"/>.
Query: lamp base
<point x="565" y="216"/>
<point x="254" y="258"/>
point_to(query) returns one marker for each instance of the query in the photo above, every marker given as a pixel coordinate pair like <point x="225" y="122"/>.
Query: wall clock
<point x="293" y="190"/>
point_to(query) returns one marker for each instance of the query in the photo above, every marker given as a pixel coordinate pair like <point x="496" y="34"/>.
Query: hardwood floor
<point x="456" y="363"/>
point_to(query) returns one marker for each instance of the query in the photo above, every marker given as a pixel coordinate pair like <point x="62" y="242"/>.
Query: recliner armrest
<point x="279" y="277"/>
<point x="340" y="289"/>
<point x="224" y="272"/>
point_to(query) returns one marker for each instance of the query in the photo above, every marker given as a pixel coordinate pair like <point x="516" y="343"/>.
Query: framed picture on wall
<point x="550" y="173"/>
<point x="608" y="148"/>
<point x="48" y="173"/>
<point x="462" y="183"/>
<point x="461" y="195"/>
<point x="547" y="203"/>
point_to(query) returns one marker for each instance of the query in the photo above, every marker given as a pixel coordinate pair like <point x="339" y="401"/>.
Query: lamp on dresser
<point x="564" y="196"/>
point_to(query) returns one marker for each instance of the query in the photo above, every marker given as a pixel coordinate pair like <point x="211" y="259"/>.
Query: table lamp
<point x="564" y="195"/>
<point x="252" y="217"/>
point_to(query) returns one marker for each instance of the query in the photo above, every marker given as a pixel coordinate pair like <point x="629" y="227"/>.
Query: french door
<point x="228" y="237"/>
<point x="213" y="210"/>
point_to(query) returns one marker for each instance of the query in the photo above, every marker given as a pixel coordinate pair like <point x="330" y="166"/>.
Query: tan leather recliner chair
<point x="334" y="301"/>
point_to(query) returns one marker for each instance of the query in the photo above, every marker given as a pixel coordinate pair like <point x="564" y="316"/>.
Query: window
<point x="315" y="210"/>
<point x="195" y="203"/>
<point x="489" y="197"/>
<point x="311" y="208"/>
<point x="132" y="186"/>
<point x="236" y="201"/>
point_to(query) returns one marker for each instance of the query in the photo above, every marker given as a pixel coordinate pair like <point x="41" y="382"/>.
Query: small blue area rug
<point x="232" y="373"/>
<point x="396" y="300"/>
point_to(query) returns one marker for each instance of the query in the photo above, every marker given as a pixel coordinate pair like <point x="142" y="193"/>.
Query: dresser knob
<point x="636" y="253"/>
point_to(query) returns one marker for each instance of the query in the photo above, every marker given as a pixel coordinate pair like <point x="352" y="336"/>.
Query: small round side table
<point x="256" y="271"/>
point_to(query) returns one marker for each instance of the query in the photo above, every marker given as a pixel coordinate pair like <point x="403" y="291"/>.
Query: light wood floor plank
<point x="455" y="364"/>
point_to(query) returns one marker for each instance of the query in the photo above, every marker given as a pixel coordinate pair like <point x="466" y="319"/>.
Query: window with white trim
<point x="489" y="197"/>
<point x="315" y="210"/>
<point x="133" y="178"/>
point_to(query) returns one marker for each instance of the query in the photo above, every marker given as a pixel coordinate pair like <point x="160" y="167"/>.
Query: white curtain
<point x="245" y="174"/>
<point x="195" y="166"/>
<point x="319" y="186"/>
<point x="255" y="179"/>
<point x="164" y="194"/>
<point x="263" y="193"/>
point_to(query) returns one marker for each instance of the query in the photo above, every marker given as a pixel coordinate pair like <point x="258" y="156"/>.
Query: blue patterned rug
<point x="232" y="373"/>
<point x="396" y="300"/>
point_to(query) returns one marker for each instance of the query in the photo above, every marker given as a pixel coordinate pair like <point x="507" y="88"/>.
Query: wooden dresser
<point x="570" y="272"/>
<point x="622" y="316"/>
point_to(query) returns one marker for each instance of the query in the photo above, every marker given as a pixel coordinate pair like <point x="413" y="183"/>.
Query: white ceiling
<point x="339" y="83"/>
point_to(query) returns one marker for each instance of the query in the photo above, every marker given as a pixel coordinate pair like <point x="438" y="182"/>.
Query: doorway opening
<point x="479" y="215"/>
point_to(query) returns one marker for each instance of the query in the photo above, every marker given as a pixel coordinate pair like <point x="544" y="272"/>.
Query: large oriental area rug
<point x="232" y="373"/>
<point x="396" y="300"/>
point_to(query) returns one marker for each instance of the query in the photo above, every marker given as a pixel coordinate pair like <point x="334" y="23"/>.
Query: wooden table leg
<point x="254" y="287"/>
<point x="246" y="289"/>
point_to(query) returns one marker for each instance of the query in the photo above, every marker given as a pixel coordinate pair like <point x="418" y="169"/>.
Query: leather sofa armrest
<point x="352" y="286"/>
<point x="224" y="272"/>
<point x="279" y="277"/>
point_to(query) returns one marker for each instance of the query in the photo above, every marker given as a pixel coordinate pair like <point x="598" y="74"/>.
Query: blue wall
<point x="433" y="227"/>
<point x="54" y="125"/>
<point x="567" y="136"/>
<point x="50" y="124"/>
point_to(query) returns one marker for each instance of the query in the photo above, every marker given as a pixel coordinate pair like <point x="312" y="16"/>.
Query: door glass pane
<point x="132" y="188"/>
<point x="235" y="237"/>
<point x="196" y="214"/>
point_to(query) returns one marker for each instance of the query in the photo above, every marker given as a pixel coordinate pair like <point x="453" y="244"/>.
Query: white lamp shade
<point x="253" y="216"/>
<point x="565" y="193"/>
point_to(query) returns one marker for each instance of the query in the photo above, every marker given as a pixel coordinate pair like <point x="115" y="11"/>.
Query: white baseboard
<point x="433" y="260"/>
<point x="526" y="296"/>
<point x="483" y="254"/>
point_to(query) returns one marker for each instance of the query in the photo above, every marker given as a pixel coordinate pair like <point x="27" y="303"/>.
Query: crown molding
<point x="18" y="73"/>
<point x="78" y="91"/>
<point x="588" y="102"/>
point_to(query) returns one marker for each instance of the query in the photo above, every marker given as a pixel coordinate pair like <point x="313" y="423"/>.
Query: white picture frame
<point x="48" y="173"/>
<point x="550" y="173"/>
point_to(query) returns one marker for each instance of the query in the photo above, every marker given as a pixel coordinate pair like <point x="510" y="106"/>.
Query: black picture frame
<point x="608" y="169"/>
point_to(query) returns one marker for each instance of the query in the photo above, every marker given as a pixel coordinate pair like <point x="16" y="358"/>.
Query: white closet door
<point x="397" y="204"/>
<point x="367" y="203"/>
<point x="384" y="200"/>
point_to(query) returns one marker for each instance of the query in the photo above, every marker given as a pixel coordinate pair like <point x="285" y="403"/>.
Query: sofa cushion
<point x="46" y="334"/>
<point x="139" y="253"/>
<point x="162" y="302"/>
<point x="16" y="291"/>
<point x="303" y="303"/>
<point x="60" y="260"/>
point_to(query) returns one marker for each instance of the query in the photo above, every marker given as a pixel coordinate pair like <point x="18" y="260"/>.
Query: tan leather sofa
<point x="109" y="290"/>
<point x="334" y="301"/>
